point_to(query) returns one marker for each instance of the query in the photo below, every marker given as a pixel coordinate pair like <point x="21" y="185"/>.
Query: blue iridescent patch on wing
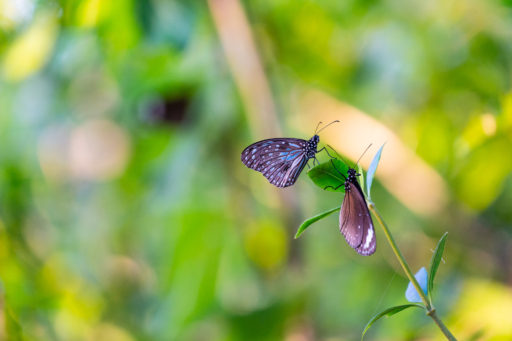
<point x="293" y="155"/>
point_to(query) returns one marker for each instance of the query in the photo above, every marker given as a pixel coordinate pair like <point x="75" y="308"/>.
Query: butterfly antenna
<point x="363" y="153"/>
<point x="317" y="132"/>
<point x="318" y="125"/>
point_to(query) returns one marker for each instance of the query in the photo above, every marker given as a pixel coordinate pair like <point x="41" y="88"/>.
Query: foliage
<point x="329" y="175"/>
<point x="371" y="172"/>
<point x="388" y="312"/>
<point x="314" y="219"/>
<point x="421" y="284"/>
<point x="434" y="263"/>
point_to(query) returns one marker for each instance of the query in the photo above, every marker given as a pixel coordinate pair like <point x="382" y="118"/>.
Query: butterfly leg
<point x="334" y="188"/>
<point x="334" y="150"/>
<point x="338" y="170"/>
<point x="325" y="150"/>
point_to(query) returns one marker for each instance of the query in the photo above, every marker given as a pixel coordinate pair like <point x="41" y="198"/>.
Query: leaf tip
<point x="388" y="312"/>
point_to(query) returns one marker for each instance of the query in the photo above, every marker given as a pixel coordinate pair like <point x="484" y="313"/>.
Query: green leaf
<point x="388" y="312"/>
<point x="329" y="175"/>
<point x="314" y="219"/>
<point x="371" y="171"/>
<point x="361" y="176"/>
<point x="434" y="263"/>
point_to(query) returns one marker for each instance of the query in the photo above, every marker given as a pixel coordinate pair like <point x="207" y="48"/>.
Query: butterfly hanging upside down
<point x="281" y="160"/>
<point x="356" y="224"/>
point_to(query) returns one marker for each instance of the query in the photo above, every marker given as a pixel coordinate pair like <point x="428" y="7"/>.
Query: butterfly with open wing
<point x="281" y="160"/>
<point x="356" y="224"/>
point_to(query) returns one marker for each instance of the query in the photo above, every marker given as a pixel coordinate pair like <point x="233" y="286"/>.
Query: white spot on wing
<point x="369" y="238"/>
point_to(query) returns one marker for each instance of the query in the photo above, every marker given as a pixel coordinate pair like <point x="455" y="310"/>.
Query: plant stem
<point x="431" y="311"/>
<point x="440" y="324"/>
<point x="400" y="257"/>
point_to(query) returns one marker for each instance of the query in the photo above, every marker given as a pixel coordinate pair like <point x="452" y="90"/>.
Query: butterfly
<point x="356" y="224"/>
<point x="281" y="160"/>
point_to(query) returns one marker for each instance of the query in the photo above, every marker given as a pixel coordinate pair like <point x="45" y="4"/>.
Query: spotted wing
<point x="355" y="221"/>
<point x="280" y="160"/>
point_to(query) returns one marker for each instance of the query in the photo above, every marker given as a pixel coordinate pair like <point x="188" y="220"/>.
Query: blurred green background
<point x="126" y="214"/>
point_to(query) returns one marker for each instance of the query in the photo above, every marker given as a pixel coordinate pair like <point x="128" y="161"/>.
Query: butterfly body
<point x="280" y="160"/>
<point x="311" y="146"/>
<point x="356" y="224"/>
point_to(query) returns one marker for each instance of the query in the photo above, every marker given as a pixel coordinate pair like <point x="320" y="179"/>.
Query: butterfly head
<point x="352" y="174"/>
<point x="311" y="145"/>
<point x="351" y="178"/>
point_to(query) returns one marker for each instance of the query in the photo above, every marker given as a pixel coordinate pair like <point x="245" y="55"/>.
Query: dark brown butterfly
<point x="356" y="224"/>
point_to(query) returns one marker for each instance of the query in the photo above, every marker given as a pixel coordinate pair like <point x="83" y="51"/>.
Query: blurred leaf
<point x="434" y="263"/>
<point x="266" y="244"/>
<point x="329" y="175"/>
<point x="478" y="335"/>
<point x="411" y="294"/>
<point x="483" y="305"/>
<point x="506" y="117"/>
<point x="31" y="49"/>
<point x="371" y="171"/>
<point x="89" y="12"/>
<point x="474" y="189"/>
<point x="12" y="326"/>
<point x="435" y="137"/>
<point x="388" y="312"/>
<point x="314" y="219"/>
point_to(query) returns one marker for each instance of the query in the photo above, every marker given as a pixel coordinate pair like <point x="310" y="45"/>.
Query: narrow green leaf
<point x="361" y="177"/>
<point x="329" y="175"/>
<point x="314" y="219"/>
<point x="388" y="312"/>
<point x="371" y="171"/>
<point x="434" y="263"/>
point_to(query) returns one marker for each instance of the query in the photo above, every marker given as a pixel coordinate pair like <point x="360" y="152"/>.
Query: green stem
<point x="400" y="257"/>
<point x="431" y="311"/>
<point x="440" y="324"/>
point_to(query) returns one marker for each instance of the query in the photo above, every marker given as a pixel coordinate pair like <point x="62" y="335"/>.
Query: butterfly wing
<point x="280" y="160"/>
<point x="355" y="221"/>
<point x="285" y="173"/>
